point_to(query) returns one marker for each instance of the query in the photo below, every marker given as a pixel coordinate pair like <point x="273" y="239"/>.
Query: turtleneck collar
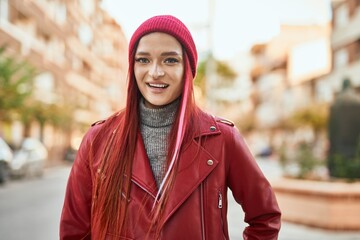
<point x="158" y="117"/>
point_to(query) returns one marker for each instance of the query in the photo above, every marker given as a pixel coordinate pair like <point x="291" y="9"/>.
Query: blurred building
<point x="302" y="67"/>
<point x="286" y="70"/>
<point x="284" y="75"/>
<point x="79" y="51"/>
<point x="345" y="44"/>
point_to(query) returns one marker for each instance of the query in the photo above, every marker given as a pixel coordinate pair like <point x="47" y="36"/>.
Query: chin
<point x="158" y="104"/>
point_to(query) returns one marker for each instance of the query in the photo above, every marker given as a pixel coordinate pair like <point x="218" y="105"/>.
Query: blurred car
<point x="29" y="160"/>
<point x="266" y="151"/>
<point x="70" y="154"/>
<point x="6" y="156"/>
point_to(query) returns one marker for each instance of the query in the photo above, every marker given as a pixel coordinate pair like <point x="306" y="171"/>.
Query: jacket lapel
<point x="142" y="174"/>
<point x="195" y="164"/>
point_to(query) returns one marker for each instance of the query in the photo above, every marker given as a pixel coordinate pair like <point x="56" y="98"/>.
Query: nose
<point x="156" y="71"/>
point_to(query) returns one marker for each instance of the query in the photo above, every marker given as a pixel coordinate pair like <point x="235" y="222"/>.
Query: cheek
<point x="139" y="77"/>
<point x="179" y="75"/>
<point x="137" y="73"/>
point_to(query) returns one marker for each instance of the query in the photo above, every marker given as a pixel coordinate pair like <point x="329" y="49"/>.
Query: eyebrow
<point x="171" y="53"/>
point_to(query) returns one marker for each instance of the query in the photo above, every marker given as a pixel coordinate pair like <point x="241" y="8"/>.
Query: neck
<point x="158" y="117"/>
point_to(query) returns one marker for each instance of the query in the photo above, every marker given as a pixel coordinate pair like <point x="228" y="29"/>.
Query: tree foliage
<point x="17" y="101"/>
<point x="315" y="116"/>
<point x="200" y="75"/>
<point x="16" y="79"/>
<point x="223" y="70"/>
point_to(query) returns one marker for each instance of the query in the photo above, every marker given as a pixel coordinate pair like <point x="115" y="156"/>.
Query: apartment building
<point x="284" y="77"/>
<point x="304" y="66"/>
<point x="345" y="44"/>
<point x="286" y="69"/>
<point x="80" y="53"/>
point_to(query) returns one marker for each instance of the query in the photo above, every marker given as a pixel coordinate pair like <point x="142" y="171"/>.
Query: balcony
<point x="29" y="46"/>
<point x="100" y="69"/>
<point x="38" y="11"/>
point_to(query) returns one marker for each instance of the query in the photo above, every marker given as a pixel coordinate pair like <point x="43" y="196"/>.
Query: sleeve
<point x="76" y="213"/>
<point x="252" y="191"/>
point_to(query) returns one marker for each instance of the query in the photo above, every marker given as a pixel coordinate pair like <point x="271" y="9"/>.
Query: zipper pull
<point x="220" y="200"/>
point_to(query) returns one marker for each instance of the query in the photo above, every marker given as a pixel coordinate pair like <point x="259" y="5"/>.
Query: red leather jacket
<point x="197" y="205"/>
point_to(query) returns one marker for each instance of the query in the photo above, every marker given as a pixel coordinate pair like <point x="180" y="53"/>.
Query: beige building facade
<point x="345" y="44"/>
<point x="304" y="66"/>
<point x="284" y="76"/>
<point x="80" y="54"/>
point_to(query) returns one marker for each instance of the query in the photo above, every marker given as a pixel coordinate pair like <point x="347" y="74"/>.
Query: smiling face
<point x="159" y="69"/>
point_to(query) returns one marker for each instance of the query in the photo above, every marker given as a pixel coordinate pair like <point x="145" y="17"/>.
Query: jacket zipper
<point x="220" y="200"/>
<point x="220" y="205"/>
<point x="202" y="211"/>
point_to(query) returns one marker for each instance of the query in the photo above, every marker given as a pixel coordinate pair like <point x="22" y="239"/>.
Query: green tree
<point x="314" y="116"/>
<point x="16" y="79"/>
<point x="59" y="116"/>
<point x="200" y="75"/>
<point x="222" y="70"/>
<point x="17" y="102"/>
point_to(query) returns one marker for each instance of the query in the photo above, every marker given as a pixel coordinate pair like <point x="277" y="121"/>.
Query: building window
<point x="44" y="84"/>
<point x="60" y="13"/>
<point x="341" y="58"/>
<point x="88" y="7"/>
<point x="341" y="16"/>
<point x="4" y="9"/>
<point x="85" y="34"/>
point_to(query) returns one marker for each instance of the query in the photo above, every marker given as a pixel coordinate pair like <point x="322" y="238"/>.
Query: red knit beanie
<point x="170" y="25"/>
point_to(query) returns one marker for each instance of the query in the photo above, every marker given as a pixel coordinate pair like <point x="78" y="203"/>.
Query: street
<point x="31" y="208"/>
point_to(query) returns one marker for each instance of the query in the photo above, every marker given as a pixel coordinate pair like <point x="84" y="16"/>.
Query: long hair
<point x="109" y="207"/>
<point x="182" y="132"/>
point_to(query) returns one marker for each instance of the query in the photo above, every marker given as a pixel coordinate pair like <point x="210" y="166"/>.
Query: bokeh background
<point x="280" y="70"/>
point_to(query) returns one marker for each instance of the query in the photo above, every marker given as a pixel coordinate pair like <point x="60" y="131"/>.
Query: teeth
<point x="157" y="85"/>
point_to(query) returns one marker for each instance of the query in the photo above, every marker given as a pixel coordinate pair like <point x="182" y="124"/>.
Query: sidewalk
<point x="288" y="231"/>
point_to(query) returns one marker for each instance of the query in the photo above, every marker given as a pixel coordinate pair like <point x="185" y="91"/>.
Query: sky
<point x="227" y="27"/>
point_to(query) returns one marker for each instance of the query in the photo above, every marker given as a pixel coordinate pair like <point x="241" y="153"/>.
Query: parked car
<point x="6" y="156"/>
<point x="29" y="159"/>
<point x="70" y="154"/>
<point x="266" y="151"/>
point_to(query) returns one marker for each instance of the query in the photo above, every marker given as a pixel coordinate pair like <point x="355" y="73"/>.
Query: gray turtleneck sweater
<point x="155" y="126"/>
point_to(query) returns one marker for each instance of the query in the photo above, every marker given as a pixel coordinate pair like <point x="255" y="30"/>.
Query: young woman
<point x="161" y="167"/>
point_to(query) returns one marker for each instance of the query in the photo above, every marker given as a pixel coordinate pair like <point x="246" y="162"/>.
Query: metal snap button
<point x="210" y="162"/>
<point x="212" y="128"/>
